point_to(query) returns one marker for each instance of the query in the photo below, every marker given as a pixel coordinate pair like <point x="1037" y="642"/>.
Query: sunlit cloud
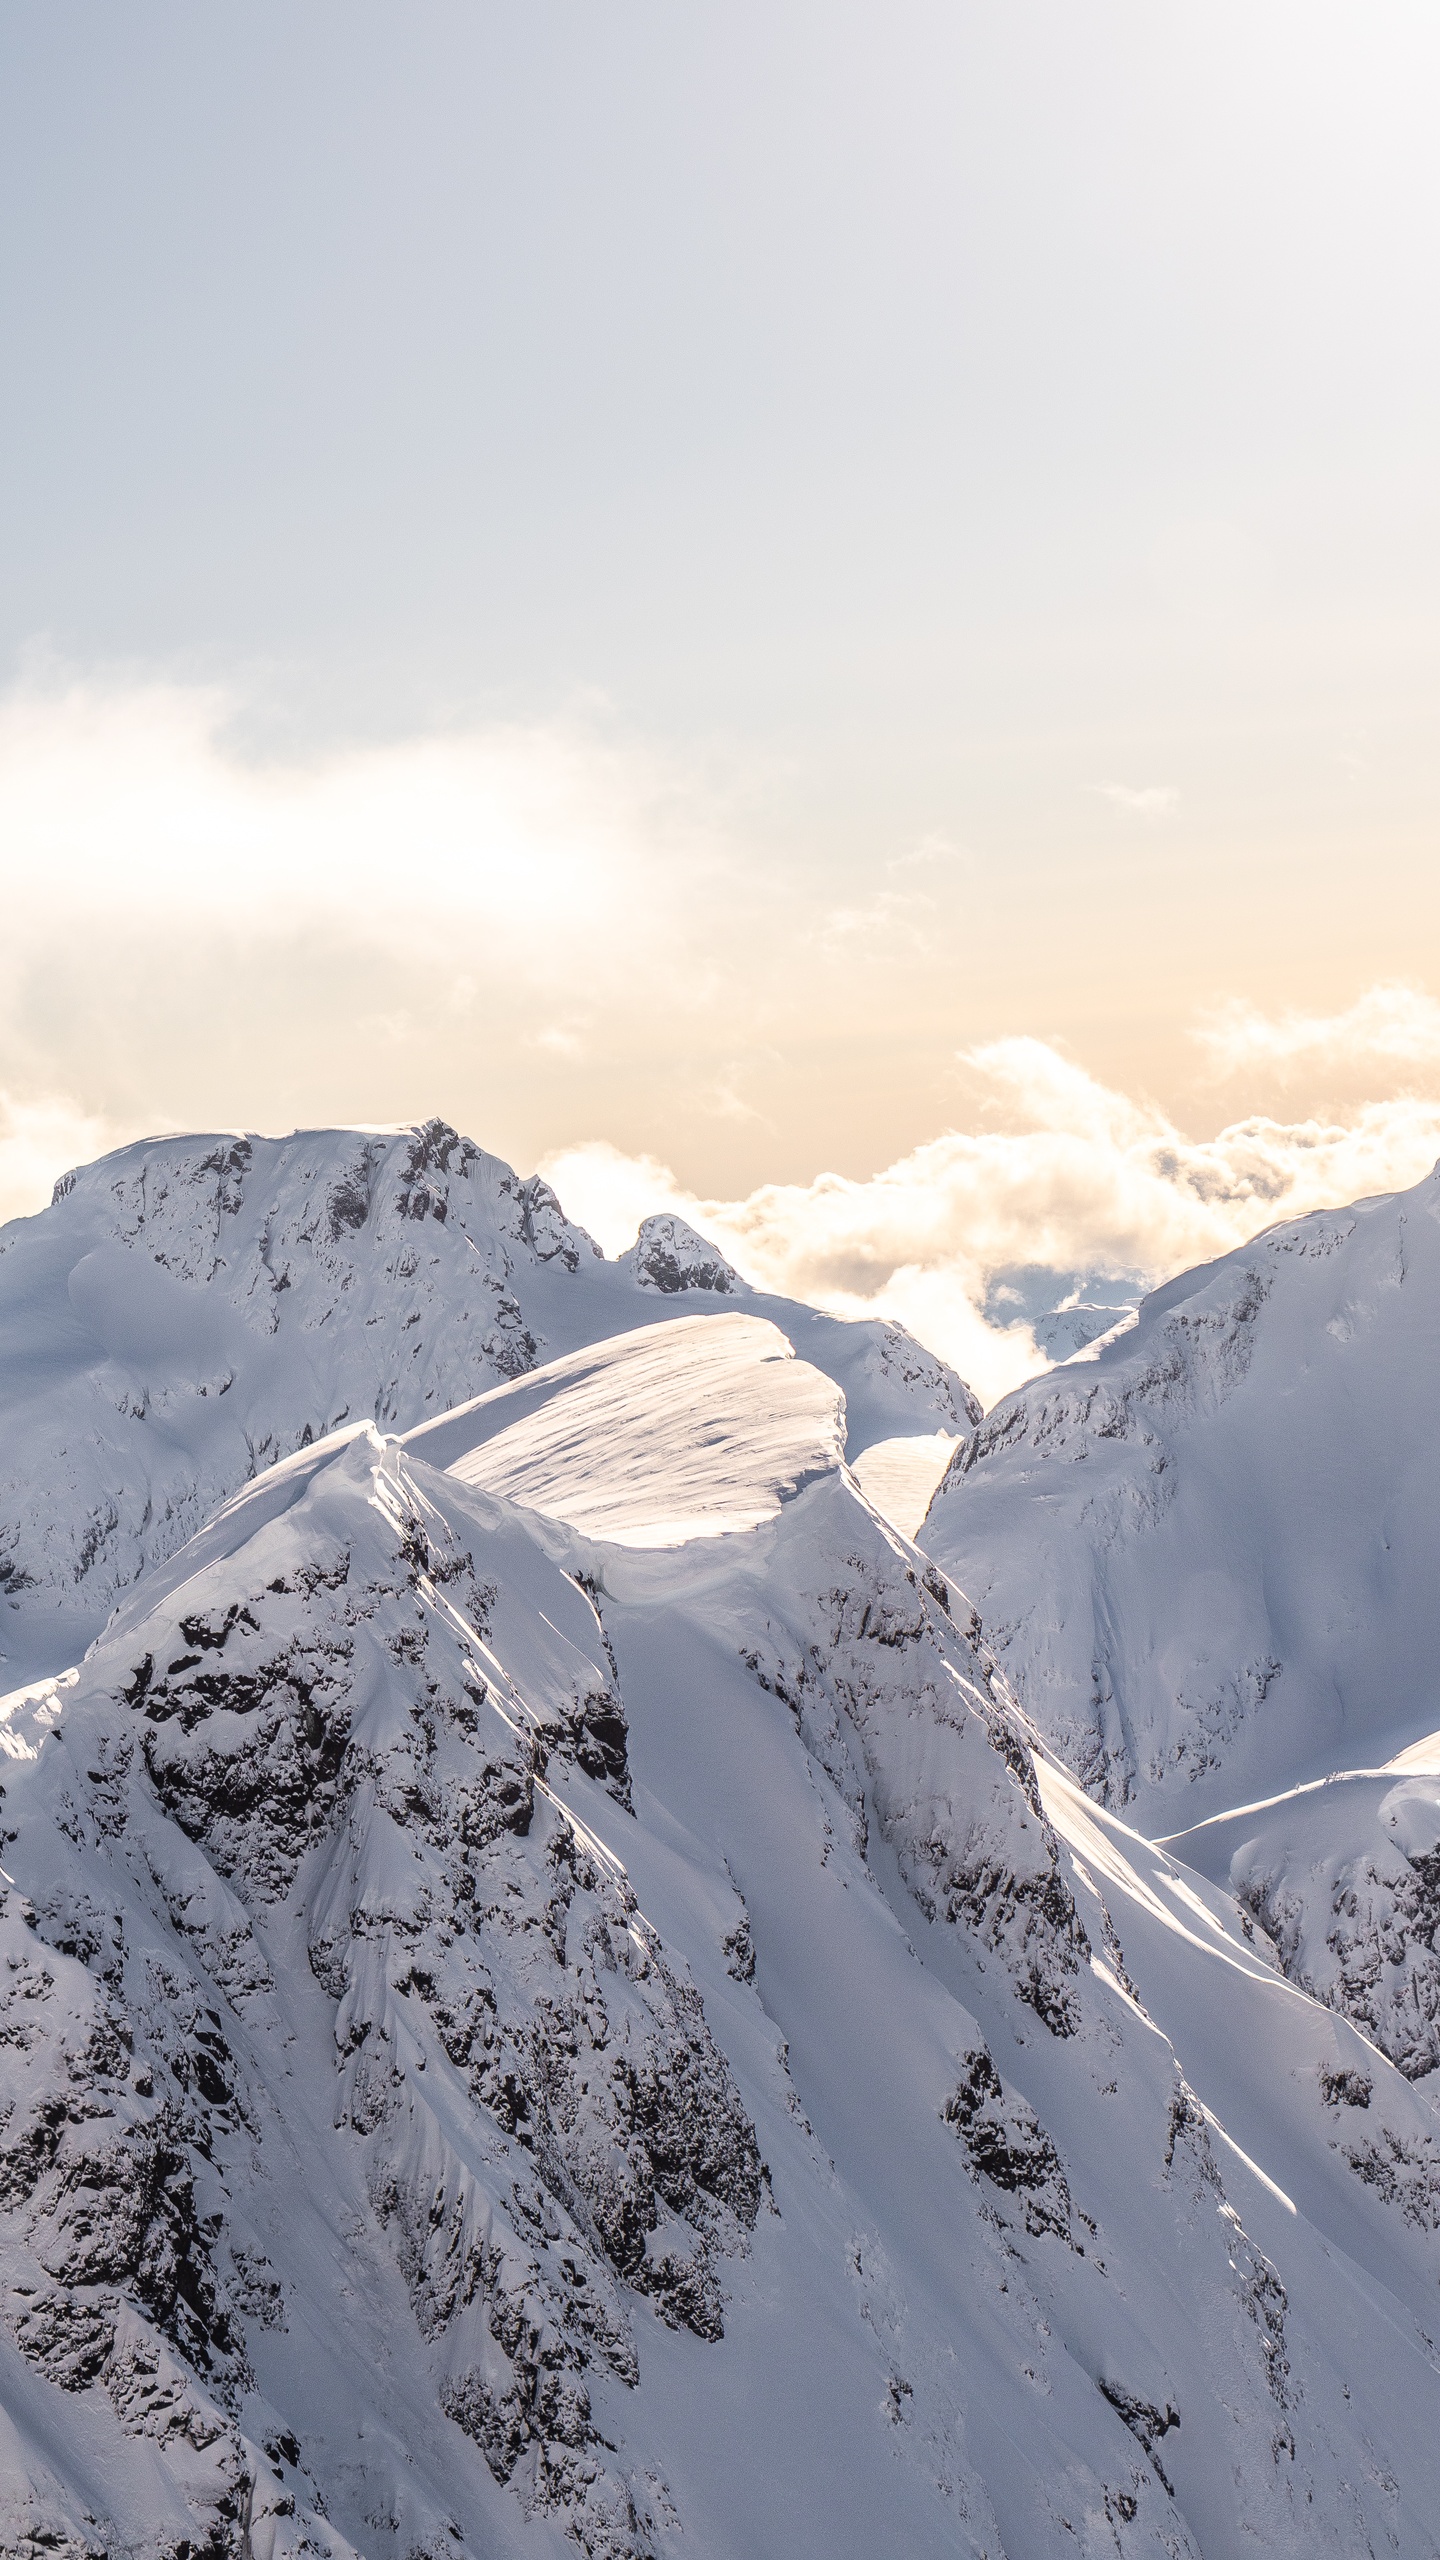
<point x="609" y="1192"/>
<point x="467" y="919"/>
<point x="125" y="801"/>
<point x="41" y="1140"/>
<point x="722" y="1099"/>
<point x="190" y="926"/>
<point x="1080" y="1178"/>
<point x="933" y="852"/>
<point x="899" y="915"/>
<point x="1388" y="1026"/>
<point x="892" y="917"/>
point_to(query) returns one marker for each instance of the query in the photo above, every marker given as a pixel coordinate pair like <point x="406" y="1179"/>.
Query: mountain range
<point x="191" y="1310"/>
<point x="569" y="1986"/>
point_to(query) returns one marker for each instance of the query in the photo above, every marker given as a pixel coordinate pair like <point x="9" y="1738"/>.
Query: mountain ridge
<point x="1199" y="1542"/>
<point x="191" y="1309"/>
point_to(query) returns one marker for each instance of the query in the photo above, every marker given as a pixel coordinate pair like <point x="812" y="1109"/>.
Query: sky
<point x="828" y="614"/>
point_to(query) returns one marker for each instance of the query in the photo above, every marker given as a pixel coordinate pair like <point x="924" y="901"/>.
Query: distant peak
<point x="669" y="1255"/>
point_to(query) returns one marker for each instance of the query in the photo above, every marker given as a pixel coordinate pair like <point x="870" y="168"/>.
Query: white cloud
<point x="610" y="1192"/>
<point x="932" y="851"/>
<point x="1155" y="801"/>
<point x="41" y="1140"/>
<point x="1081" y="1178"/>
<point x="123" y="796"/>
<point x="558" y="1042"/>
<point x="191" y="931"/>
<point x="723" y="1100"/>
<point x="1389" y="1025"/>
<point x="896" y="919"/>
<point x="395" y="928"/>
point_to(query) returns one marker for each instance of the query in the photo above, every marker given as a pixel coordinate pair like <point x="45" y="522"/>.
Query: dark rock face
<point x="907" y="1714"/>
<point x="1147" y="2423"/>
<point x="1359" y="1933"/>
<point x="669" y="1256"/>
<point x="358" y="1731"/>
<point x="1005" y="2142"/>
<point x="239" y="1299"/>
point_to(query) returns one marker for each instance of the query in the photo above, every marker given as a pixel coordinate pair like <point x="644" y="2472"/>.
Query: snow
<point x="192" y="1309"/>
<point x="554" y="1998"/>
<point x="705" y="1429"/>
<point x="1203" y="1548"/>
<point x="899" y="1476"/>
<point x="1203" y="1558"/>
<point x="1422" y="1756"/>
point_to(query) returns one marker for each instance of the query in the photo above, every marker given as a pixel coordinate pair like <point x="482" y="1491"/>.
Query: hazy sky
<point x="681" y="578"/>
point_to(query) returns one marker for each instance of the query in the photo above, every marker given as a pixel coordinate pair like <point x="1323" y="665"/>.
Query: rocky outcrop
<point x="670" y="1256"/>
<point x="894" y="1693"/>
<point x="190" y="1311"/>
<point x="1354" y="1919"/>
<point x="346" y="1727"/>
<point x="1005" y="2143"/>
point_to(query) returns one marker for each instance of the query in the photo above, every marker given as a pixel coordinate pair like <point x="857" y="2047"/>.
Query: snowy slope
<point x="1204" y="1550"/>
<point x="191" y="1309"/>
<point x="749" y="1424"/>
<point x="900" y="1476"/>
<point x="1343" y="1876"/>
<point x="518" y="2040"/>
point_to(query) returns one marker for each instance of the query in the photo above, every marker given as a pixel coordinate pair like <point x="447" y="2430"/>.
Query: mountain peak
<point x="670" y="1255"/>
<point x="191" y="1309"/>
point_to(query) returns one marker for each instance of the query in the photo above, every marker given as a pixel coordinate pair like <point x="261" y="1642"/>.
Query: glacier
<point x="569" y="1986"/>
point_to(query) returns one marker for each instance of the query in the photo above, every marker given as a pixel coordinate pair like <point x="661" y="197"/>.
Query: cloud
<point x="722" y="1099"/>
<point x="893" y="919"/>
<point x="39" y="1141"/>
<point x="497" y="921"/>
<point x="1156" y="801"/>
<point x="932" y="851"/>
<point x="1079" y="1178"/>
<point x="1389" y="1026"/>
<point x="369" y="929"/>
<point x="894" y="922"/>
<point x="609" y="1192"/>
<point x="123" y="799"/>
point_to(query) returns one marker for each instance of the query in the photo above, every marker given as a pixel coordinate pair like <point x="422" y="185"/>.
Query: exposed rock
<point x="668" y="1255"/>
<point x="912" y="1722"/>
<point x="1004" y="2141"/>
<point x="340" y="1726"/>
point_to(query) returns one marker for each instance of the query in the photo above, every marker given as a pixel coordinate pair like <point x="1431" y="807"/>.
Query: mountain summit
<point x="189" y="1310"/>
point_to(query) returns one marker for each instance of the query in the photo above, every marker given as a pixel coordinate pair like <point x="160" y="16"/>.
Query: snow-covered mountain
<point x="1204" y="1554"/>
<point x="562" y="1987"/>
<point x="1343" y="1876"/>
<point x="191" y="1309"/>
<point x="552" y="2000"/>
<point x="1204" y="1551"/>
